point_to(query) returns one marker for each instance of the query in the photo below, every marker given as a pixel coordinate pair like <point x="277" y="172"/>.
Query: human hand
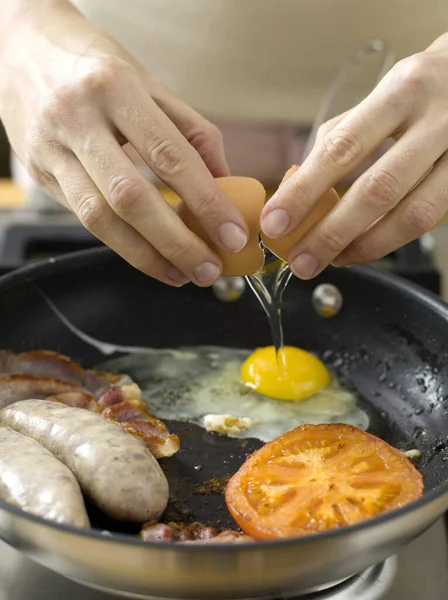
<point x="403" y="195"/>
<point x="70" y="98"/>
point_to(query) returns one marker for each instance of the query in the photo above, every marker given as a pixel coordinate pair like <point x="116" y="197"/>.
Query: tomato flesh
<point x="317" y="478"/>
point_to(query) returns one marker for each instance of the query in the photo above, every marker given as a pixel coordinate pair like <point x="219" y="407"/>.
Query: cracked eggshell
<point x="249" y="195"/>
<point x="282" y="247"/>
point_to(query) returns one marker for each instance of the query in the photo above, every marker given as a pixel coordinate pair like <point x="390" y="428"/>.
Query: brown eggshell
<point x="282" y="247"/>
<point x="249" y="196"/>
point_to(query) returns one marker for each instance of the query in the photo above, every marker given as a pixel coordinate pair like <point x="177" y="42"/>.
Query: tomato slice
<point x="319" y="477"/>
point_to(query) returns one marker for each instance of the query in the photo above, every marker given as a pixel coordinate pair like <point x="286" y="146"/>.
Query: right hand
<point x="70" y="98"/>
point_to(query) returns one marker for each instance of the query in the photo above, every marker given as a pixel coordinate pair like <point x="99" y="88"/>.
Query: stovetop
<point x="418" y="572"/>
<point x="29" y="235"/>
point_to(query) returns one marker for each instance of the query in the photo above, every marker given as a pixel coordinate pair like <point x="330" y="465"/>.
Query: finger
<point x="84" y="198"/>
<point x="48" y="182"/>
<point x="329" y="125"/>
<point x="375" y="193"/>
<point x="420" y="212"/>
<point x="205" y="137"/>
<point x="178" y="164"/>
<point x="132" y="198"/>
<point x="336" y="154"/>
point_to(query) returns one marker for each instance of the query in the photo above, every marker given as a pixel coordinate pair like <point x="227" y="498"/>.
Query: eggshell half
<point x="282" y="247"/>
<point x="249" y="196"/>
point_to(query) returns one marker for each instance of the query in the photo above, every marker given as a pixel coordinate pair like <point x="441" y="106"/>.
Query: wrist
<point x="440" y="45"/>
<point x="19" y="16"/>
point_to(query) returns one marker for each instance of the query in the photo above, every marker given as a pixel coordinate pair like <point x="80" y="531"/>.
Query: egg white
<point x="192" y="383"/>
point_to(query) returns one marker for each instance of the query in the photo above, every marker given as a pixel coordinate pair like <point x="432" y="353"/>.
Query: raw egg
<point x="298" y="376"/>
<point x="249" y="196"/>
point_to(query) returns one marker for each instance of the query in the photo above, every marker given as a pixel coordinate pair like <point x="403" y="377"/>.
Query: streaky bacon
<point x="41" y="363"/>
<point x="134" y="417"/>
<point x="225" y="537"/>
<point x="21" y="387"/>
<point x="108" y="396"/>
<point x="129" y="411"/>
<point x="48" y="363"/>
<point x="47" y="374"/>
<point x="190" y="533"/>
<point x="159" y="441"/>
<point x="77" y="400"/>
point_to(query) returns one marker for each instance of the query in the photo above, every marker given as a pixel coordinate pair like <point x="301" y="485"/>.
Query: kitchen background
<point x="4" y="154"/>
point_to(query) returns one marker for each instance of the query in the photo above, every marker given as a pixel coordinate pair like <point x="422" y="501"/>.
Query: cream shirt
<point x="261" y="68"/>
<point x="261" y="60"/>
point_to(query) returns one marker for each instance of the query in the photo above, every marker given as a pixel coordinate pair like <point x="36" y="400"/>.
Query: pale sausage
<point x="114" y="469"/>
<point x="34" y="480"/>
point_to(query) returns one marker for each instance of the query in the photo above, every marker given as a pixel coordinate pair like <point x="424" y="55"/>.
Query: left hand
<point x="403" y="195"/>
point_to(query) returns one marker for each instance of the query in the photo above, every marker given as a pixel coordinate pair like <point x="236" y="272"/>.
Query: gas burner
<point x="372" y="584"/>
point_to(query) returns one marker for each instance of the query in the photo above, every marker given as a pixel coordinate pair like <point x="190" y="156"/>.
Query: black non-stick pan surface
<point x="385" y="344"/>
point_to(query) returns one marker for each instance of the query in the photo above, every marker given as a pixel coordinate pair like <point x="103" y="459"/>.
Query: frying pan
<point x="390" y="343"/>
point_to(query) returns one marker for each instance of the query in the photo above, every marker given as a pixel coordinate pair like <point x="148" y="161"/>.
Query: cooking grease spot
<point x="213" y="487"/>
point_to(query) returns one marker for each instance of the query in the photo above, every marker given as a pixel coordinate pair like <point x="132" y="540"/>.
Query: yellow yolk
<point x="302" y="375"/>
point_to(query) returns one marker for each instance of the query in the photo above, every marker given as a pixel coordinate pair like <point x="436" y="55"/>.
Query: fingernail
<point x="340" y="261"/>
<point x="207" y="273"/>
<point x="343" y="264"/>
<point x="304" y="266"/>
<point x="232" y="237"/>
<point x="176" y="277"/>
<point x="275" y="223"/>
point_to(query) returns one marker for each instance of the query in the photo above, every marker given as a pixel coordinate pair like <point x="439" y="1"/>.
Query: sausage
<point x="34" y="480"/>
<point x="114" y="469"/>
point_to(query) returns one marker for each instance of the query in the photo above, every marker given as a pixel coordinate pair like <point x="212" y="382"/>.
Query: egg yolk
<point x="301" y="375"/>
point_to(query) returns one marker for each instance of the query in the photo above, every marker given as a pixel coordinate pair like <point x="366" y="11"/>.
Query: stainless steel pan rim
<point x="378" y="579"/>
<point x="30" y="272"/>
<point x="120" y="539"/>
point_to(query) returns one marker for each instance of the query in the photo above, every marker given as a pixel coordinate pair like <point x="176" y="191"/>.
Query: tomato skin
<point x="317" y="478"/>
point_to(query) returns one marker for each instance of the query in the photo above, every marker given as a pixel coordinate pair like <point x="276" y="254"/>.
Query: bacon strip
<point x="190" y="533"/>
<point x="41" y="363"/>
<point x="155" y="435"/>
<point x="127" y="411"/>
<point x="44" y="374"/>
<point x="21" y="387"/>
<point x="47" y="363"/>
<point x="77" y="400"/>
<point x="225" y="537"/>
